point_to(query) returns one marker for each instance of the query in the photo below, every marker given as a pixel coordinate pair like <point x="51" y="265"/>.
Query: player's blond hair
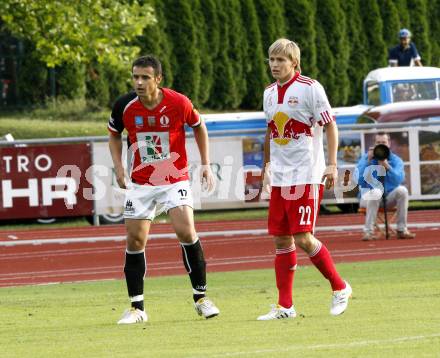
<point x="287" y="48"/>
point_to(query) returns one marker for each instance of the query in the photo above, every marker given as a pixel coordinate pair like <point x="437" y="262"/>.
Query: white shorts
<point x="146" y="201"/>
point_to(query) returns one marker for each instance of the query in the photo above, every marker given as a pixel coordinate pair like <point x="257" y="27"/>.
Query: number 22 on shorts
<point x="305" y="212"/>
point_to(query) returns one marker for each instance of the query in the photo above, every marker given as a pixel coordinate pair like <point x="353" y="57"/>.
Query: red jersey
<point x="156" y="138"/>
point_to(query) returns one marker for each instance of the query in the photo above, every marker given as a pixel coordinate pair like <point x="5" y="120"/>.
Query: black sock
<point x="134" y="269"/>
<point x="195" y="265"/>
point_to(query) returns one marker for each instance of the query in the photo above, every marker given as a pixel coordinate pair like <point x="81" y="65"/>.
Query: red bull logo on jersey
<point x="284" y="129"/>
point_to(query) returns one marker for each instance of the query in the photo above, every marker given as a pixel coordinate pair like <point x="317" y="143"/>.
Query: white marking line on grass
<point x="397" y="340"/>
<point x="200" y="234"/>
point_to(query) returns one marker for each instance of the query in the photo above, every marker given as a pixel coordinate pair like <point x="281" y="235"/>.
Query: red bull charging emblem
<point x="284" y="129"/>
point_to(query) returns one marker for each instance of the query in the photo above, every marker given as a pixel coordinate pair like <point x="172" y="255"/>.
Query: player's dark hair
<point x="148" y="61"/>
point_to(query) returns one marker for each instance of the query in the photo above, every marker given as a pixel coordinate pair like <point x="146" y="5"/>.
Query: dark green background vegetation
<point x="214" y="50"/>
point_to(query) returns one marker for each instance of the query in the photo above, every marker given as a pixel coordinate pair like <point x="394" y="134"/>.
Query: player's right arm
<point x="115" y="127"/>
<point x="265" y="170"/>
<point x="115" y="145"/>
<point x="265" y="174"/>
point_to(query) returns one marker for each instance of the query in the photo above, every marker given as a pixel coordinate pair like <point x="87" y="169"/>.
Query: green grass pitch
<point x="395" y="312"/>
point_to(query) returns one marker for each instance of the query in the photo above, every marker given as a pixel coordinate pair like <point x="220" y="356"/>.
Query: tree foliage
<point x="434" y="26"/>
<point x="373" y="27"/>
<point x="420" y="28"/>
<point x="211" y="50"/>
<point x="391" y="22"/>
<point x="300" y="21"/>
<point x="77" y="31"/>
<point x="333" y="35"/>
<point x="255" y="68"/>
<point x="185" y="62"/>
<point x="358" y="65"/>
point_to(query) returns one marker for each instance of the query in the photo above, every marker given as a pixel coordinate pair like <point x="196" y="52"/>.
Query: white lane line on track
<point x="200" y="234"/>
<point x="173" y="265"/>
<point x="174" y="246"/>
<point x="306" y="348"/>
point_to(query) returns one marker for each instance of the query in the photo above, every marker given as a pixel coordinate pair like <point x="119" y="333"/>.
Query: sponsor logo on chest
<point x="138" y="121"/>
<point x="151" y="121"/>
<point x="164" y="121"/>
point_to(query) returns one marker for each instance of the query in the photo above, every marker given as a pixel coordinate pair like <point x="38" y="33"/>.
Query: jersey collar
<point x="288" y="83"/>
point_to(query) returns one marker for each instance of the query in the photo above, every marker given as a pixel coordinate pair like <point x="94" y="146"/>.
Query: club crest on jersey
<point x="269" y="102"/>
<point x="138" y="121"/>
<point x="164" y="121"/>
<point x="292" y="101"/>
<point x="151" y="121"/>
<point x="283" y="129"/>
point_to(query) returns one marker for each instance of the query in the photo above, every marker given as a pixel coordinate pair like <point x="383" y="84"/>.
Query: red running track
<point x="54" y="262"/>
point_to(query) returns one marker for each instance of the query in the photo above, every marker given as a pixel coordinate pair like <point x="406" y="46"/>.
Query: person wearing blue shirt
<point x="404" y="54"/>
<point x="378" y="176"/>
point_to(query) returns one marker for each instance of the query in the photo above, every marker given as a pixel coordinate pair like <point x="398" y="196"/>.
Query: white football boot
<point x="133" y="315"/>
<point x="340" y="300"/>
<point x="278" y="312"/>
<point x="206" y="308"/>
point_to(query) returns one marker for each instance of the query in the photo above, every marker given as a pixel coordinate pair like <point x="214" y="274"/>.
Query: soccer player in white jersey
<point x="154" y="118"/>
<point x="294" y="172"/>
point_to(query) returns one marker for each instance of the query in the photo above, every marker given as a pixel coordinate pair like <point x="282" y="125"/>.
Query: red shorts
<point x="294" y="209"/>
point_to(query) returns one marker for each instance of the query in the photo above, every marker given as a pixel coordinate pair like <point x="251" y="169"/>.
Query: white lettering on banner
<point x="48" y="162"/>
<point x="42" y="163"/>
<point x="8" y="163"/>
<point x="22" y="163"/>
<point x="9" y="193"/>
<point x="69" y="194"/>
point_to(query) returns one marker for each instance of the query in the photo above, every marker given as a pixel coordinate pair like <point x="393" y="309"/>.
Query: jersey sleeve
<point x="414" y="53"/>
<point x="115" y="122"/>
<point x="190" y="114"/>
<point x="266" y="113"/>
<point x="320" y="106"/>
<point x="392" y="54"/>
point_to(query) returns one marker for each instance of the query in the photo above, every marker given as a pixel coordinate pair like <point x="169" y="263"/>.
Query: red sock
<point x="322" y="259"/>
<point x="285" y="266"/>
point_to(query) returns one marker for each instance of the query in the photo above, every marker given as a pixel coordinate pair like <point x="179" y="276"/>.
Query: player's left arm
<point x="331" y="171"/>
<point x="202" y="140"/>
<point x="322" y="113"/>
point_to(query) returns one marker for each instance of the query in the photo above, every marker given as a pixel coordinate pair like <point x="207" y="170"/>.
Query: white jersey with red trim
<point x="295" y="113"/>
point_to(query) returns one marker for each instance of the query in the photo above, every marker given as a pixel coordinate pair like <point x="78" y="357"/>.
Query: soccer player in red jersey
<point x="294" y="170"/>
<point x="154" y="118"/>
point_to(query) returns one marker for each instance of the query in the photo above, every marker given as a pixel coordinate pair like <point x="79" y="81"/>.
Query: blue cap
<point x="404" y="33"/>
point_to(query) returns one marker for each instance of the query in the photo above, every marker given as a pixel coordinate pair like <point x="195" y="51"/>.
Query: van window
<point x="373" y="93"/>
<point x="415" y="91"/>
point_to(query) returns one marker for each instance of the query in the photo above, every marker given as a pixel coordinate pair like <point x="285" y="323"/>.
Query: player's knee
<point x="136" y="241"/>
<point x="186" y="236"/>
<point x="304" y="240"/>
<point x="283" y="242"/>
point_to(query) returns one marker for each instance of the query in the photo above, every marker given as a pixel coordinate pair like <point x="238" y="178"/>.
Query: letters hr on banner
<point x="32" y="185"/>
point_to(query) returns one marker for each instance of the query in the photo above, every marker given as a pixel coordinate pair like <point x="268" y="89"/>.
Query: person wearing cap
<point x="404" y="54"/>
